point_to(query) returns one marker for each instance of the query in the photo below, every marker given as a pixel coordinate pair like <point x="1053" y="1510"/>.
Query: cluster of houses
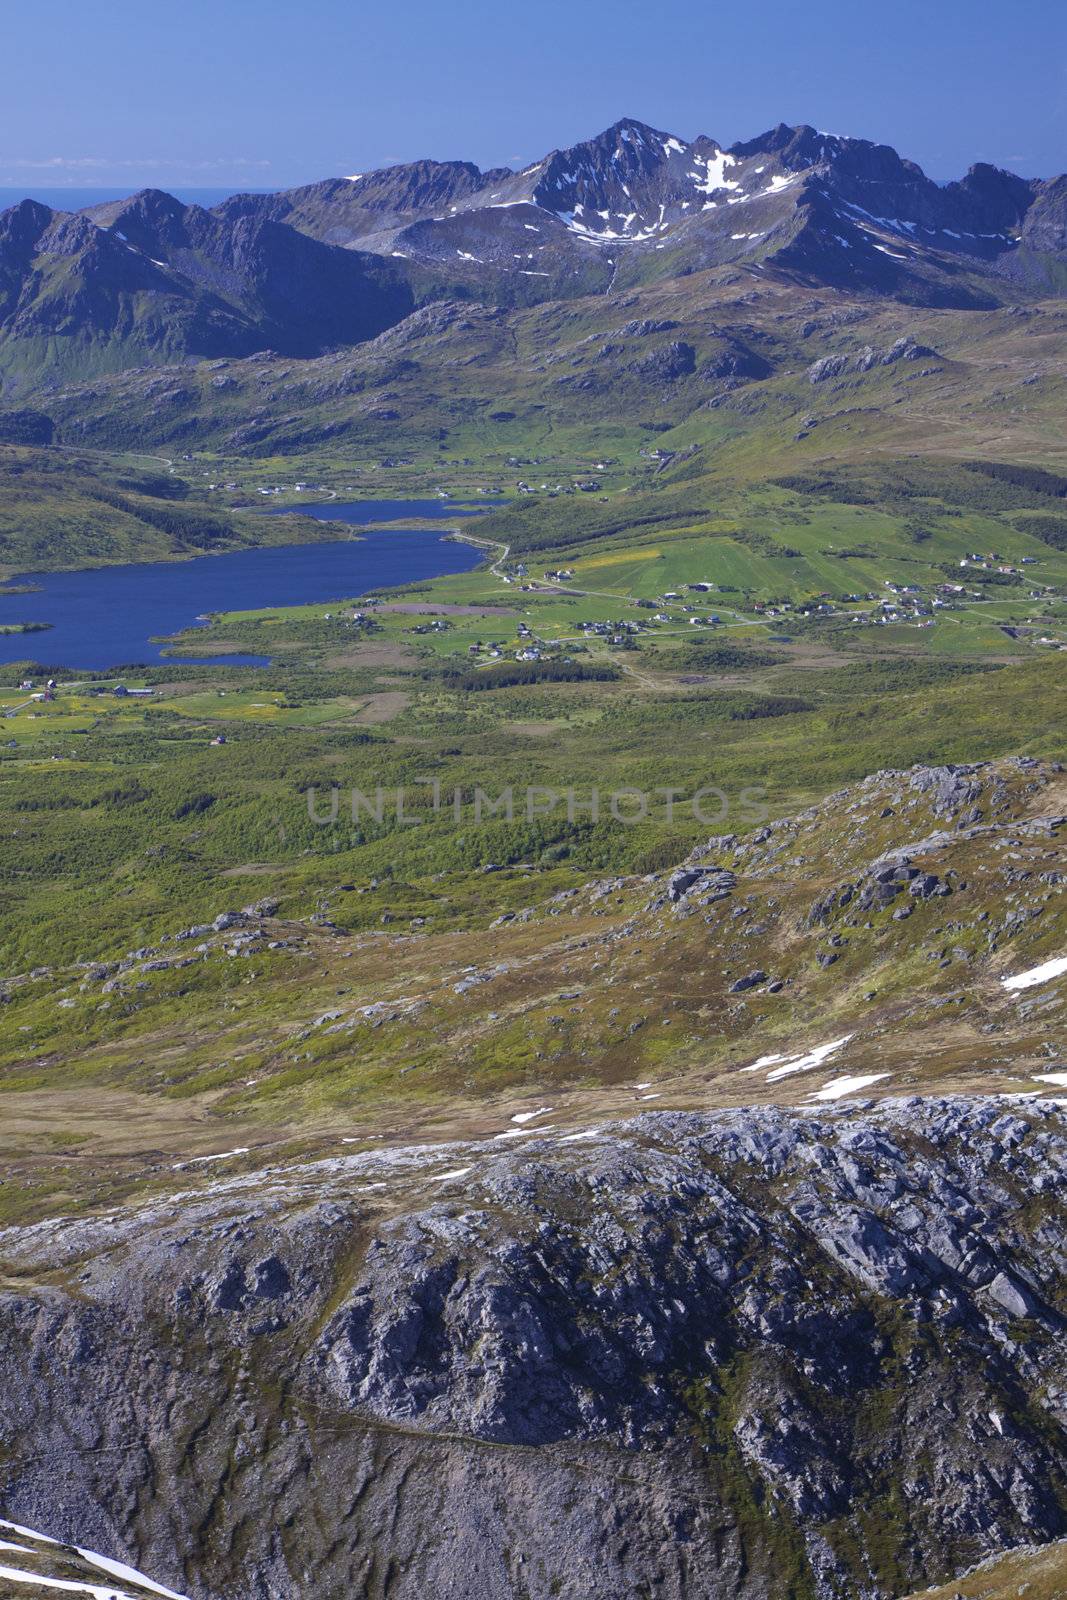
<point x="620" y="634"/>
<point x="358" y="619"/>
<point x="28" y="687"/>
<point x="48" y="694"/>
<point x="530" y="648"/>
<point x="51" y="689"/>
<point x="281" y="488"/>
<point x="907" y="603"/>
<point x="579" y="486"/>
<point x="992" y="562"/>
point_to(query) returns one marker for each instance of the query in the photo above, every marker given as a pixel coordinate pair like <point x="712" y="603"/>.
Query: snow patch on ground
<point x="27" y="1533"/>
<point x="764" y="1061"/>
<point x="837" y="1088"/>
<point x="95" y="1590"/>
<point x="119" y="1569"/>
<point x="1043" y="974"/>
<point x="106" y="1564"/>
<point x="223" y="1155"/>
<point x="804" y="1063"/>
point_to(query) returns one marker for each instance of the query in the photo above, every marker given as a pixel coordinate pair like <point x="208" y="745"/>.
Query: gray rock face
<point x="692" y="1356"/>
<point x="835" y="366"/>
<point x="674" y="360"/>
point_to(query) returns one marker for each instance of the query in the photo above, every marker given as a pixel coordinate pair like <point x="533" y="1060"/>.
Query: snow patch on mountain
<point x="714" y="176"/>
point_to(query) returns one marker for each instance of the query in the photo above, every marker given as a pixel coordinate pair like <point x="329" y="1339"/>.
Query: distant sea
<point x="75" y="199"/>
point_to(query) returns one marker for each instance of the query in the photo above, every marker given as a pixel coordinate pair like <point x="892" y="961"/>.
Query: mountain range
<point x="810" y="202"/>
<point x="148" y="280"/>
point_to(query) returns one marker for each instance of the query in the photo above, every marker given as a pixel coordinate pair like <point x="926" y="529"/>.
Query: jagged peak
<point x="23" y="224"/>
<point x="801" y="146"/>
<point x="985" y="178"/>
<point x="28" y="210"/>
<point x="423" y="165"/>
<point x="629" y="138"/>
<point x="154" y="200"/>
<point x="632" y="127"/>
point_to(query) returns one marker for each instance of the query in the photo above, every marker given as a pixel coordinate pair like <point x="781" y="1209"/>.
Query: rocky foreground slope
<point x="764" y="1353"/>
<point x="1039" y="1573"/>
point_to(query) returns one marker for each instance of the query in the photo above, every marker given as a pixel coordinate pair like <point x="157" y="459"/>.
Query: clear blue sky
<point x="262" y="94"/>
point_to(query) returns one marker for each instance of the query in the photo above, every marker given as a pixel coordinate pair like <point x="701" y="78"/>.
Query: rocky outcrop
<point x="903" y="349"/>
<point x="755" y="1354"/>
<point x="666" y="365"/>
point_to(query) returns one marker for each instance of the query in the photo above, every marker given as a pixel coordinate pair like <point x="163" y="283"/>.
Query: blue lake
<point x="108" y="616"/>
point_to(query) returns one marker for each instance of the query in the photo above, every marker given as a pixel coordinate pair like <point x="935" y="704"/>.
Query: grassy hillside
<point x="535" y="394"/>
<point x="1037" y="1574"/>
<point x="147" y="826"/>
<point x="59" y="509"/>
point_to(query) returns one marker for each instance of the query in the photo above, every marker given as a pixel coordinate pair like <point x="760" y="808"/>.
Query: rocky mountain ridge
<point x="165" y="281"/>
<point x="757" y="1353"/>
<point x="835" y="209"/>
<point x="335" y="263"/>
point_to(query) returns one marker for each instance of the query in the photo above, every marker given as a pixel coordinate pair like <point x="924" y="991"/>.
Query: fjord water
<point x="110" y="616"/>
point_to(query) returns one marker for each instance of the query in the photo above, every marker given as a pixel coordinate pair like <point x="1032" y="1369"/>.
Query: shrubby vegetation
<point x="512" y="674"/>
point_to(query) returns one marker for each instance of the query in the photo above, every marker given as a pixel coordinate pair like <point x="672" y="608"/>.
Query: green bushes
<point x="725" y="657"/>
<point x="195" y="806"/>
<point x="190" y="525"/>
<point x="1034" y="479"/>
<point x="509" y="674"/>
<point x="1050" y="530"/>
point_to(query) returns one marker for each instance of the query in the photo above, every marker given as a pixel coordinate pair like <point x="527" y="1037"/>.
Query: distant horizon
<point x="52" y="195"/>
<point x="242" y="98"/>
<point x="94" y="192"/>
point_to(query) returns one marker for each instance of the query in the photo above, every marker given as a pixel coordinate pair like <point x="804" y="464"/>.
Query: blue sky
<point x="262" y="94"/>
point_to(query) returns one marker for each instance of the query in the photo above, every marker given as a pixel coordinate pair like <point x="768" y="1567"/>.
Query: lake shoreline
<point x="132" y="612"/>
